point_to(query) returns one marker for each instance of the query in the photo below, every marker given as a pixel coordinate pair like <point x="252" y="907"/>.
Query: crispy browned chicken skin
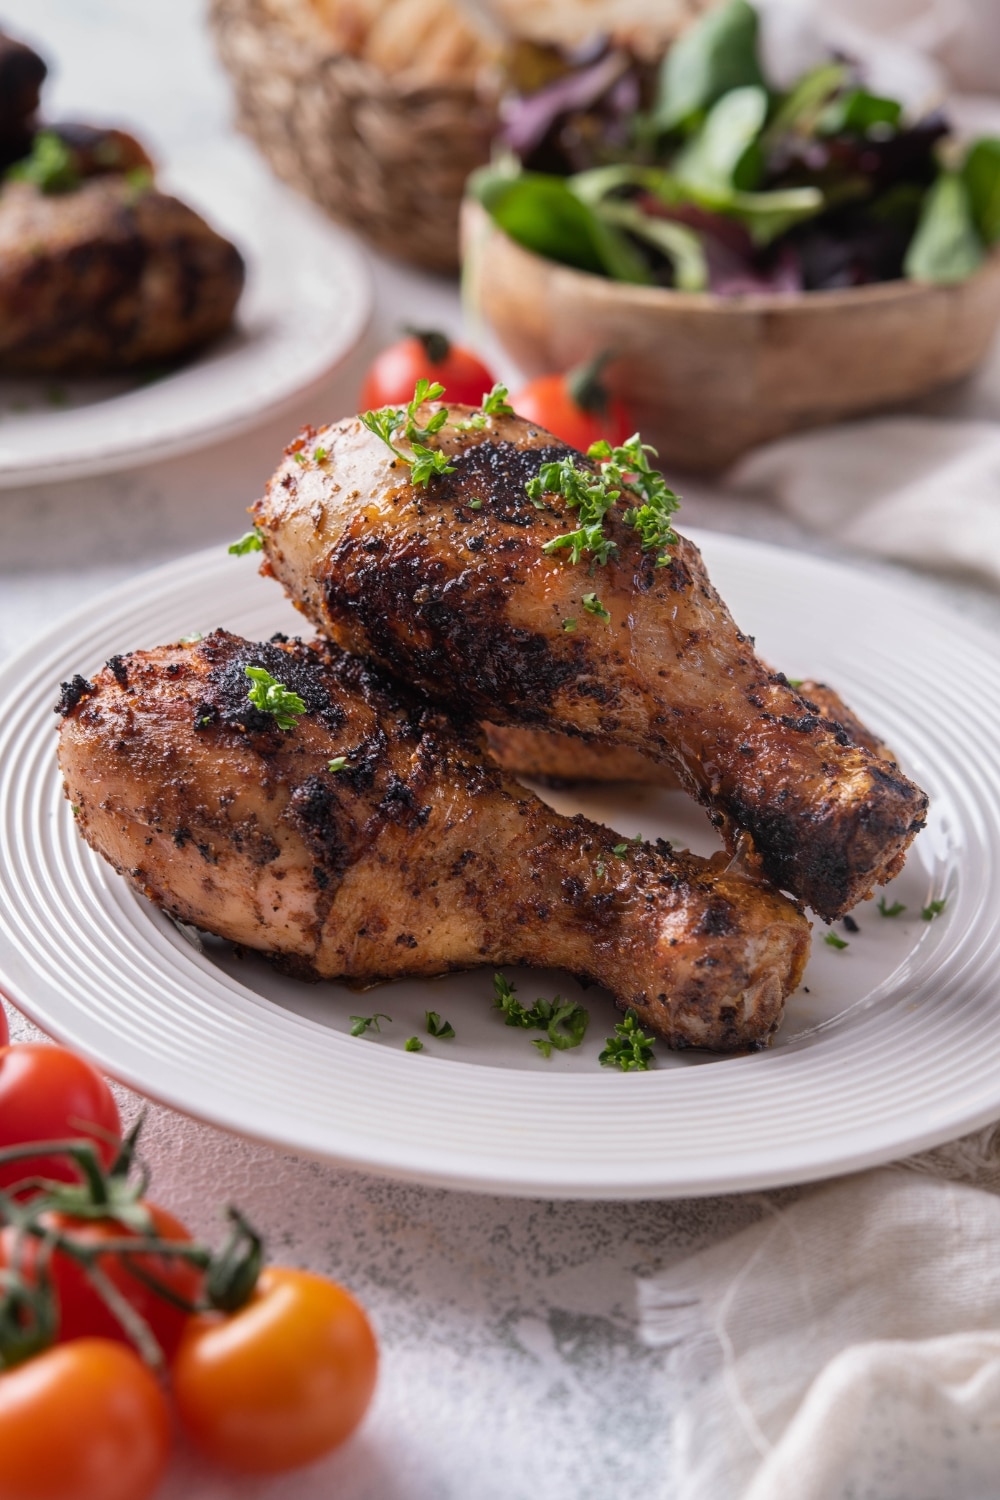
<point x="462" y="602"/>
<point x="417" y="858"/>
<point x="106" y="276"/>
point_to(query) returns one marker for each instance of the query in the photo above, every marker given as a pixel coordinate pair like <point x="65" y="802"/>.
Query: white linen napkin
<point x="847" y="1347"/>
<point x="916" y="489"/>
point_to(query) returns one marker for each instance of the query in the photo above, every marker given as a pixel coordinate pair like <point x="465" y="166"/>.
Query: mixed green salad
<point x="701" y="175"/>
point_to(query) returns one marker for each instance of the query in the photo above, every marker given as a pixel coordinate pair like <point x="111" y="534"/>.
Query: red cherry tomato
<point x="84" y="1421"/>
<point x="432" y="356"/>
<point x="575" y="407"/>
<point x="83" y="1313"/>
<point x="49" y="1094"/>
<point x="282" y="1381"/>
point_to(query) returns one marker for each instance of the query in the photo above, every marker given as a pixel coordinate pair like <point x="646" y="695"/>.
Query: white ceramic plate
<point x="306" y="304"/>
<point x="892" y="1044"/>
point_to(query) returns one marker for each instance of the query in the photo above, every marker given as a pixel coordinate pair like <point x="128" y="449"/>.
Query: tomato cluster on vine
<point x="111" y="1313"/>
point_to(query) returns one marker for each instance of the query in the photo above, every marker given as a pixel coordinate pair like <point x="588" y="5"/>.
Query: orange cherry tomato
<point x="576" y="408"/>
<point x="83" y="1313"/>
<point x="83" y="1421"/>
<point x="49" y="1094"/>
<point x="280" y="1382"/>
<point x="431" y="356"/>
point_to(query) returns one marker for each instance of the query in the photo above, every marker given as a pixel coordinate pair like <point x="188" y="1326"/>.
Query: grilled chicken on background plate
<point x="414" y="855"/>
<point x="446" y="585"/>
<point x="99" y="270"/>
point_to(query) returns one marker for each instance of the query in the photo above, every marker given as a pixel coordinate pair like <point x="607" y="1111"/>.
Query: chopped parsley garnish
<point x="272" y="697"/>
<point x="476" y="504"/>
<point x="833" y="941"/>
<point x="622" y="849"/>
<point x="593" y="606"/>
<point x="495" y="403"/>
<point x="300" y="458"/>
<point x="321" y="455"/>
<point x="337" y="764"/>
<point x="437" y="1027"/>
<point x="192" y="639"/>
<point x="140" y="180"/>
<point x="250" y="541"/>
<point x="630" y="1048"/>
<point x="628" y="466"/>
<point x="569" y="624"/>
<point x="428" y="461"/>
<point x="50" y="166"/>
<point x="563" y="1021"/>
<point x="413" y="1044"/>
<point x="624" y="470"/>
<point x="587" y="494"/>
<point x="396" y="424"/>
<point x="934" y="909"/>
<point x="895" y="910"/>
<point x="360" y="1024"/>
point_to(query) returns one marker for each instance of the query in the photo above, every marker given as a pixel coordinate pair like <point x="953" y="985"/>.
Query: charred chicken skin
<point x="414" y="855"/>
<point x="561" y="757"/>
<point x="446" y="585"/>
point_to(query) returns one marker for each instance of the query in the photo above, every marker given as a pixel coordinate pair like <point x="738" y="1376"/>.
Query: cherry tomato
<point x="82" y="1311"/>
<point x="432" y="356"/>
<point x="575" y="407"/>
<point x="84" y="1421"/>
<point x="280" y="1382"/>
<point x="49" y="1094"/>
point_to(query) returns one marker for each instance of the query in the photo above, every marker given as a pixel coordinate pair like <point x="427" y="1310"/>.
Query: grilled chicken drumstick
<point x="446" y="584"/>
<point x="563" y="757"/>
<point x="413" y="855"/>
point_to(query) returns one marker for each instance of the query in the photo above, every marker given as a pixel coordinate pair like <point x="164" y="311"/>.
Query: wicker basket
<point x="386" y="159"/>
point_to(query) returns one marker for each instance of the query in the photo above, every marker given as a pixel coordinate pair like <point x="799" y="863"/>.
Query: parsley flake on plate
<point x="436" y="1027"/>
<point x="563" y="1021"/>
<point x="630" y="1049"/>
<point x="360" y="1024"/>
<point x="833" y="941"/>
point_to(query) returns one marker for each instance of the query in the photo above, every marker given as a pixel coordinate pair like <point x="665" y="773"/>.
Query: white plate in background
<point x="305" y="306"/>
<point x="892" y="1045"/>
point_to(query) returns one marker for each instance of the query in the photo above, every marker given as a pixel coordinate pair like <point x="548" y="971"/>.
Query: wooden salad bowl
<point x="710" y="377"/>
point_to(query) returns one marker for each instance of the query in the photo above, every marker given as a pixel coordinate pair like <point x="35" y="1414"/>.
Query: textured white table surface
<point x="511" y="1367"/>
